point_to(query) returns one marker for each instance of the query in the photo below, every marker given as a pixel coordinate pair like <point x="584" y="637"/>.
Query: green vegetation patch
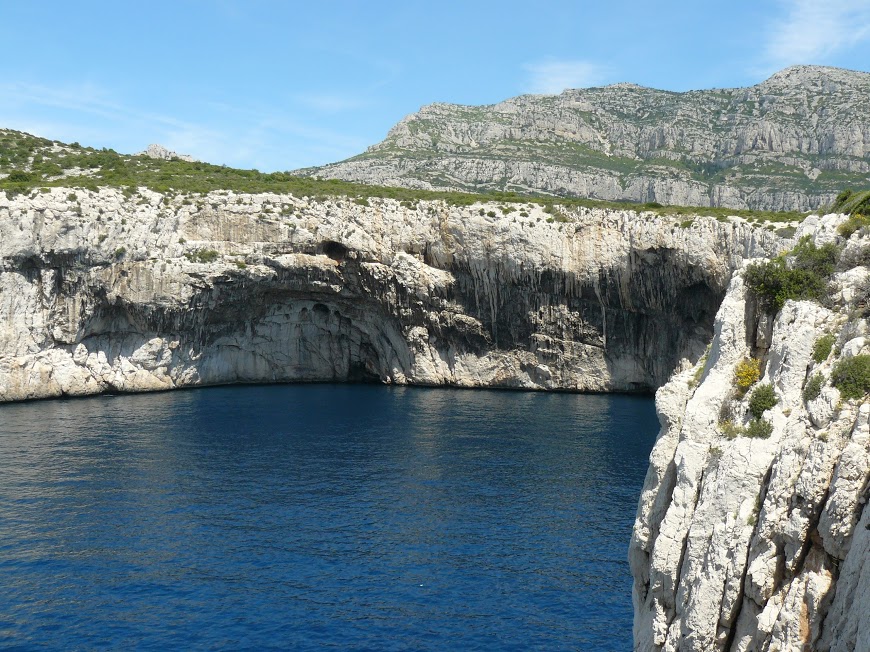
<point x="38" y="162"/>
<point x="852" y="376"/>
<point x="758" y="429"/>
<point x="802" y="274"/>
<point x="813" y="388"/>
<point x="852" y="202"/>
<point x="202" y="256"/>
<point x="763" y="398"/>
<point x="853" y="224"/>
<point x="822" y="347"/>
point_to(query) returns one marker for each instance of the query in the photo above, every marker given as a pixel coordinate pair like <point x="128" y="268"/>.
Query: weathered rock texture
<point x="760" y="544"/>
<point x="101" y="292"/>
<point x="789" y="143"/>
<point x="159" y="151"/>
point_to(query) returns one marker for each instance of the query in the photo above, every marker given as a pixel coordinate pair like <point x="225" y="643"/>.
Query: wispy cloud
<point x="554" y="76"/>
<point x="264" y="137"/>
<point x="811" y="31"/>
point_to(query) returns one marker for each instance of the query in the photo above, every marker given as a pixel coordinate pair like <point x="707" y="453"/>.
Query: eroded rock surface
<point x="755" y="544"/>
<point x="101" y="291"/>
<point x="791" y="142"/>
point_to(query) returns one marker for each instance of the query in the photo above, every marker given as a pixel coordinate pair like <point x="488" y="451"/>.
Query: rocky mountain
<point x="789" y="143"/>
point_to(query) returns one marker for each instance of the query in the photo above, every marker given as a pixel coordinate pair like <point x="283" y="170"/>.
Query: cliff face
<point x="105" y="292"/>
<point x="761" y="543"/>
<point x="789" y="143"/>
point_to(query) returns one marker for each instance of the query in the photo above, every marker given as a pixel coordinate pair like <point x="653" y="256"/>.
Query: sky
<point x="278" y="85"/>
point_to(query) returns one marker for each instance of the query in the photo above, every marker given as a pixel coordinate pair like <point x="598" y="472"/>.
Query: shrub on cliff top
<point x="763" y="398"/>
<point x="852" y="376"/>
<point x="852" y="203"/>
<point x="854" y="223"/>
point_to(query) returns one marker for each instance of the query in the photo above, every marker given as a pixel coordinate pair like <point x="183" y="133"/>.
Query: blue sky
<point x="280" y="85"/>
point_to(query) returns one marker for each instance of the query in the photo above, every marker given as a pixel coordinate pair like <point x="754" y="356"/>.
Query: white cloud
<point x="554" y="76"/>
<point x="813" y="30"/>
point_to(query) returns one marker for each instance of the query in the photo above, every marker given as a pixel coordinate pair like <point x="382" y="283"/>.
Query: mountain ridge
<point x="790" y="142"/>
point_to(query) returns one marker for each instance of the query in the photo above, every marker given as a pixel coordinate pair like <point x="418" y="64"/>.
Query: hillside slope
<point x="789" y="143"/>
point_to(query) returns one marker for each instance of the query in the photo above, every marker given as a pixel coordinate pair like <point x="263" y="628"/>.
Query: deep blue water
<point x="350" y="517"/>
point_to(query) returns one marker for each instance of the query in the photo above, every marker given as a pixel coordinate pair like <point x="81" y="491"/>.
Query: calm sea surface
<point x="303" y="517"/>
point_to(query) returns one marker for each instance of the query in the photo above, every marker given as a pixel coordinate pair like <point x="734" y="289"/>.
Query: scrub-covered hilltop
<point x="791" y="142"/>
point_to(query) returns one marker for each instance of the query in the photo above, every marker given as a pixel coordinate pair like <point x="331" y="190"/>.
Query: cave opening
<point x="334" y="250"/>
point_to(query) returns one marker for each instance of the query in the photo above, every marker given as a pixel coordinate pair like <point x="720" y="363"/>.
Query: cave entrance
<point x="334" y="250"/>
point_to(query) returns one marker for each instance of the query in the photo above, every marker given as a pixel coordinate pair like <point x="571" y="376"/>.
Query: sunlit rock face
<point x="102" y="292"/>
<point x="747" y="543"/>
<point x="791" y="142"/>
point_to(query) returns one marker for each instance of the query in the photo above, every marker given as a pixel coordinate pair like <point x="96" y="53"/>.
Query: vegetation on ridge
<point x="30" y="162"/>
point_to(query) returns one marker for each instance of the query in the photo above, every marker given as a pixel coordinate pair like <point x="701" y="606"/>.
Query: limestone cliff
<point x="789" y="143"/>
<point x="757" y="544"/>
<point x="102" y="291"/>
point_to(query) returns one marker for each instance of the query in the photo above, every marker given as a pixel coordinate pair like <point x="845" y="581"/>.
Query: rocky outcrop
<point x="102" y="291"/>
<point x="160" y="152"/>
<point x="789" y="143"/>
<point x="757" y="544"/>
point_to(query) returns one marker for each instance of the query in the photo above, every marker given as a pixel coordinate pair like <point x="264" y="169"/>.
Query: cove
<point x="352" y="517"/>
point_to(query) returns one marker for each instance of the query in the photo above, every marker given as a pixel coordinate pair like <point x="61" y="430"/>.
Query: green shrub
<point x="685" y="224"/>
<point x="804" y="277"/>
<point x="490" y="213"/>
<point x="19" y="176"/>
<point x="822" y="347"/>
<point x="852" y="376"/>
<point x="763" y="398"/>
<point x="747" y="374"/>
<point x="730" y="429"/>
<point x="818" y="260"/>
<point x="202" y="256"/>
<point x="813" y="388"/>
<point x="842" y="197"/>
<point x="852" y="203"/>
<point x="120" y="251"/>
<point x="362" y="201"/>
<point x="854" y="223"/>
<point x="758" y="429"/>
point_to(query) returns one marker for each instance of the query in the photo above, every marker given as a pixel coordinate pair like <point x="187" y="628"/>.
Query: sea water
<point x="308" y="517"/>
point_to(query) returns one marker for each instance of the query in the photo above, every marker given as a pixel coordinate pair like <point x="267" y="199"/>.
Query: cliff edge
<point x="751" y="530"/>
<point x="110" y="290"/>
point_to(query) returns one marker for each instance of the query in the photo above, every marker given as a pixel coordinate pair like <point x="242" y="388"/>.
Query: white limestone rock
<point x="758" y="544"/>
